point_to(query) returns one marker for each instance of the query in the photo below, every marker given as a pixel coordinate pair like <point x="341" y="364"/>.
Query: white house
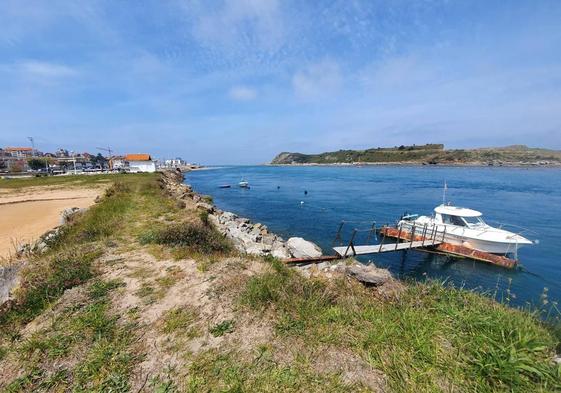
<point x="176" y="162"/>
<point x="140" y="163"/>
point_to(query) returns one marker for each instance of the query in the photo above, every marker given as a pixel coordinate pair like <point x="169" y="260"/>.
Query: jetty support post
<point x="351" y="244"/>
<point x="398" y="236"/>
<point x="372" y="231"/>
<point x="412" y="236"/>
<point x="338" y="235"/>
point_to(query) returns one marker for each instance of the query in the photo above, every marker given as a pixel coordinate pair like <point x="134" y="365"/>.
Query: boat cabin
<point x="459" y="216"/>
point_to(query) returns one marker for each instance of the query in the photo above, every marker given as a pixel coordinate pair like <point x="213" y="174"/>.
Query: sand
<point x="27" y="214"/>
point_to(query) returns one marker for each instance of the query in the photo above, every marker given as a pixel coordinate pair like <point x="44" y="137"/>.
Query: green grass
<point x="430" y="338"/>
<point x="70" y="180"/>
<point x="86" y="330"/>
<point x="194" y="237"/>
<point x="180" y="321"/>
<point x="44" y="280"/>
<point x="214" y="371"/>
<point x="130" y="205"/>
<point x="222" y="328"/>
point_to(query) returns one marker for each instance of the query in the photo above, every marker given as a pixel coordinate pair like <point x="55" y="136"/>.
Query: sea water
<point x="311" y="202"/>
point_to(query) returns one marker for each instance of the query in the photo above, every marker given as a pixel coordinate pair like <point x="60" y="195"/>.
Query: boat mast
<point x="444" y="193"/>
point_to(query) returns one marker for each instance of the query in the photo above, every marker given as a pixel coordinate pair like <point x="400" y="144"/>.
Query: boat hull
<point x="482" y="245"/>
<point x="461" y="238"/>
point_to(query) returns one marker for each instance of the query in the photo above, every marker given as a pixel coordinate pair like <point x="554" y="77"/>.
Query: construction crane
<point x="34" y="152"/>
<point x="32" y="145"/>
<point x="108" y="149"/>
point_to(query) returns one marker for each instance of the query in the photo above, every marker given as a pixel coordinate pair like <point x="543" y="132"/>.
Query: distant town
<point x="29" y="160"/>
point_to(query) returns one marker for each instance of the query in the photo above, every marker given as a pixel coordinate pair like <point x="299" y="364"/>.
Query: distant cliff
<point x="430" y="154"/>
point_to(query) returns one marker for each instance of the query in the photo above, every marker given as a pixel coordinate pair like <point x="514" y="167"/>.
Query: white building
<point x="176" y="162"/>
<point x="140" y="163"/>
<point x="118" y="162"/>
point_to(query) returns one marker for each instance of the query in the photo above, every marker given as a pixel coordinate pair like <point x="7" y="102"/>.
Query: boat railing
<point x="519" y="229"/>
<point x="407" y="231"/>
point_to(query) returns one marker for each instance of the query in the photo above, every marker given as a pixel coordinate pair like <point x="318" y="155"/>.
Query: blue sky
<point x="239" y="81"/>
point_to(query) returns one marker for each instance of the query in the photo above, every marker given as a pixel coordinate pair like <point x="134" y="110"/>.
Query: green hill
<point x="428" y="154"/>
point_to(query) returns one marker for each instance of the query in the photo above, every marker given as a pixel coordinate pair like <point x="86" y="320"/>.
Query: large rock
<point x="69" y="214"/>
<point x="368" y="274"/>
<point x="301" y="248"/>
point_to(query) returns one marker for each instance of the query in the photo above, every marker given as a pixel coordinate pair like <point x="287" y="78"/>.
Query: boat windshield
<point x="473" y="221"/>
<point x="454" y="220"/>
<point x="462" y="221"/>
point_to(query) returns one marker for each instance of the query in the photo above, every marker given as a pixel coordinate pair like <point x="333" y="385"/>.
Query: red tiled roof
<point x="138" y="157"/>
<point x="18" y="149"/>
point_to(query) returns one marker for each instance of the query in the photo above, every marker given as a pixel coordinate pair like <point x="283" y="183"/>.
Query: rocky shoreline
<point x="255" y="239"/>
<point x="248" y="237"/>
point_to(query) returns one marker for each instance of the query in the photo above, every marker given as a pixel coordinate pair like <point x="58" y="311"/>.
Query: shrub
<point x="195" y="237"/>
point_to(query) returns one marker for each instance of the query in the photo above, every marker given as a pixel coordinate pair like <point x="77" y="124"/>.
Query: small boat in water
<point x="465" y="227"/>
<point x="225" y="186"/>
<point x="243" y="184"/>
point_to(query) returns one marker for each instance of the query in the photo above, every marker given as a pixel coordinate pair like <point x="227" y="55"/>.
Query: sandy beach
<point x="28" y="213"/>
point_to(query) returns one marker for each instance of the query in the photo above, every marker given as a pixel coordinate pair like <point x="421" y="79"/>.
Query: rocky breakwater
<point x="255" y="239"/>
<point x="248" y="237"/>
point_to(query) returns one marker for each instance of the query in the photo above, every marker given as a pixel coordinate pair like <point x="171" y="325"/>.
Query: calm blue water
<point x="530" y="198"/>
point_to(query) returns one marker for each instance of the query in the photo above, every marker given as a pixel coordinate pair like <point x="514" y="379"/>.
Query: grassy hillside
<point x="141" y="293"/>
<point x="428" y="154"/>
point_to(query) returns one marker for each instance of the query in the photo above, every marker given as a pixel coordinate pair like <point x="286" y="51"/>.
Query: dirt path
<point x="25" y="215"/>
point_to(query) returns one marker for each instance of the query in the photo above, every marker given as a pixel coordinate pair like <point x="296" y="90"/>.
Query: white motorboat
<point x="465" y="227"/>
<point x="243" y="184"/>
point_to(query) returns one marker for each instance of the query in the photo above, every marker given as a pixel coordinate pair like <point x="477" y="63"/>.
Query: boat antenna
<point x="444" y="193"/>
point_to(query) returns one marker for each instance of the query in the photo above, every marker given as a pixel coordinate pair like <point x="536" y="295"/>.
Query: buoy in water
<point x="301" y="202"/>
<point x="306" y="192"/>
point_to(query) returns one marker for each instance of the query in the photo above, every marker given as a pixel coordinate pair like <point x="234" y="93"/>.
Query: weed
<point x="179" y="321"/>
<point x="222" y="328"/>
<point x="203" y="215"/>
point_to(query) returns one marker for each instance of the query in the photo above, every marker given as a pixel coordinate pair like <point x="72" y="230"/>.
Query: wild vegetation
<point x="427" y="154"/>
<point x="141" y="293"/>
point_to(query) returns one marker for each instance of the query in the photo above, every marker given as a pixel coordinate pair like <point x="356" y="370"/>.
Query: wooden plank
<point x="322" y="258"/>
<point x="376" y="248"/>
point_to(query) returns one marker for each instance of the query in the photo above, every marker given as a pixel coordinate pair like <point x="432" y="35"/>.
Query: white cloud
<point x="46" y="69"/>
<point x="317" y="80"/>
<point x="242" y="93"/>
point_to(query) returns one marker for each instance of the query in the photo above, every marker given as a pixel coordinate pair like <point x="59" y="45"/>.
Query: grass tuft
<point x="194" y="237"/>
<point x="222" y="328"/>
<point x="180" y="321"/>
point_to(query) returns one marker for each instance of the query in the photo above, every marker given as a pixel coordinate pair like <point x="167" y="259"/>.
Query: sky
<point x="236" y="82"/>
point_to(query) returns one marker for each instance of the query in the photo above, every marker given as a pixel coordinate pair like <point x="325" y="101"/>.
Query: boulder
<point x="68" y="214"/>
<point x="279" y="251"/>
<point x="205" y="206"/>
<point x="368" y="274"/>
<point x="301" y="248"/>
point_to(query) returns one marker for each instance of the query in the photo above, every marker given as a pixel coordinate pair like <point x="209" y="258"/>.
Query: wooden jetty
<point x="422" y="239"/>
<point x="452" y="249"/>
<point x="379" y="248"/>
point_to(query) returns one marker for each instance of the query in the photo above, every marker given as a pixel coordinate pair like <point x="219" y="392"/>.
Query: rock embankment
<point x="255" y="238"/>
<point x="248" y="237"/>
